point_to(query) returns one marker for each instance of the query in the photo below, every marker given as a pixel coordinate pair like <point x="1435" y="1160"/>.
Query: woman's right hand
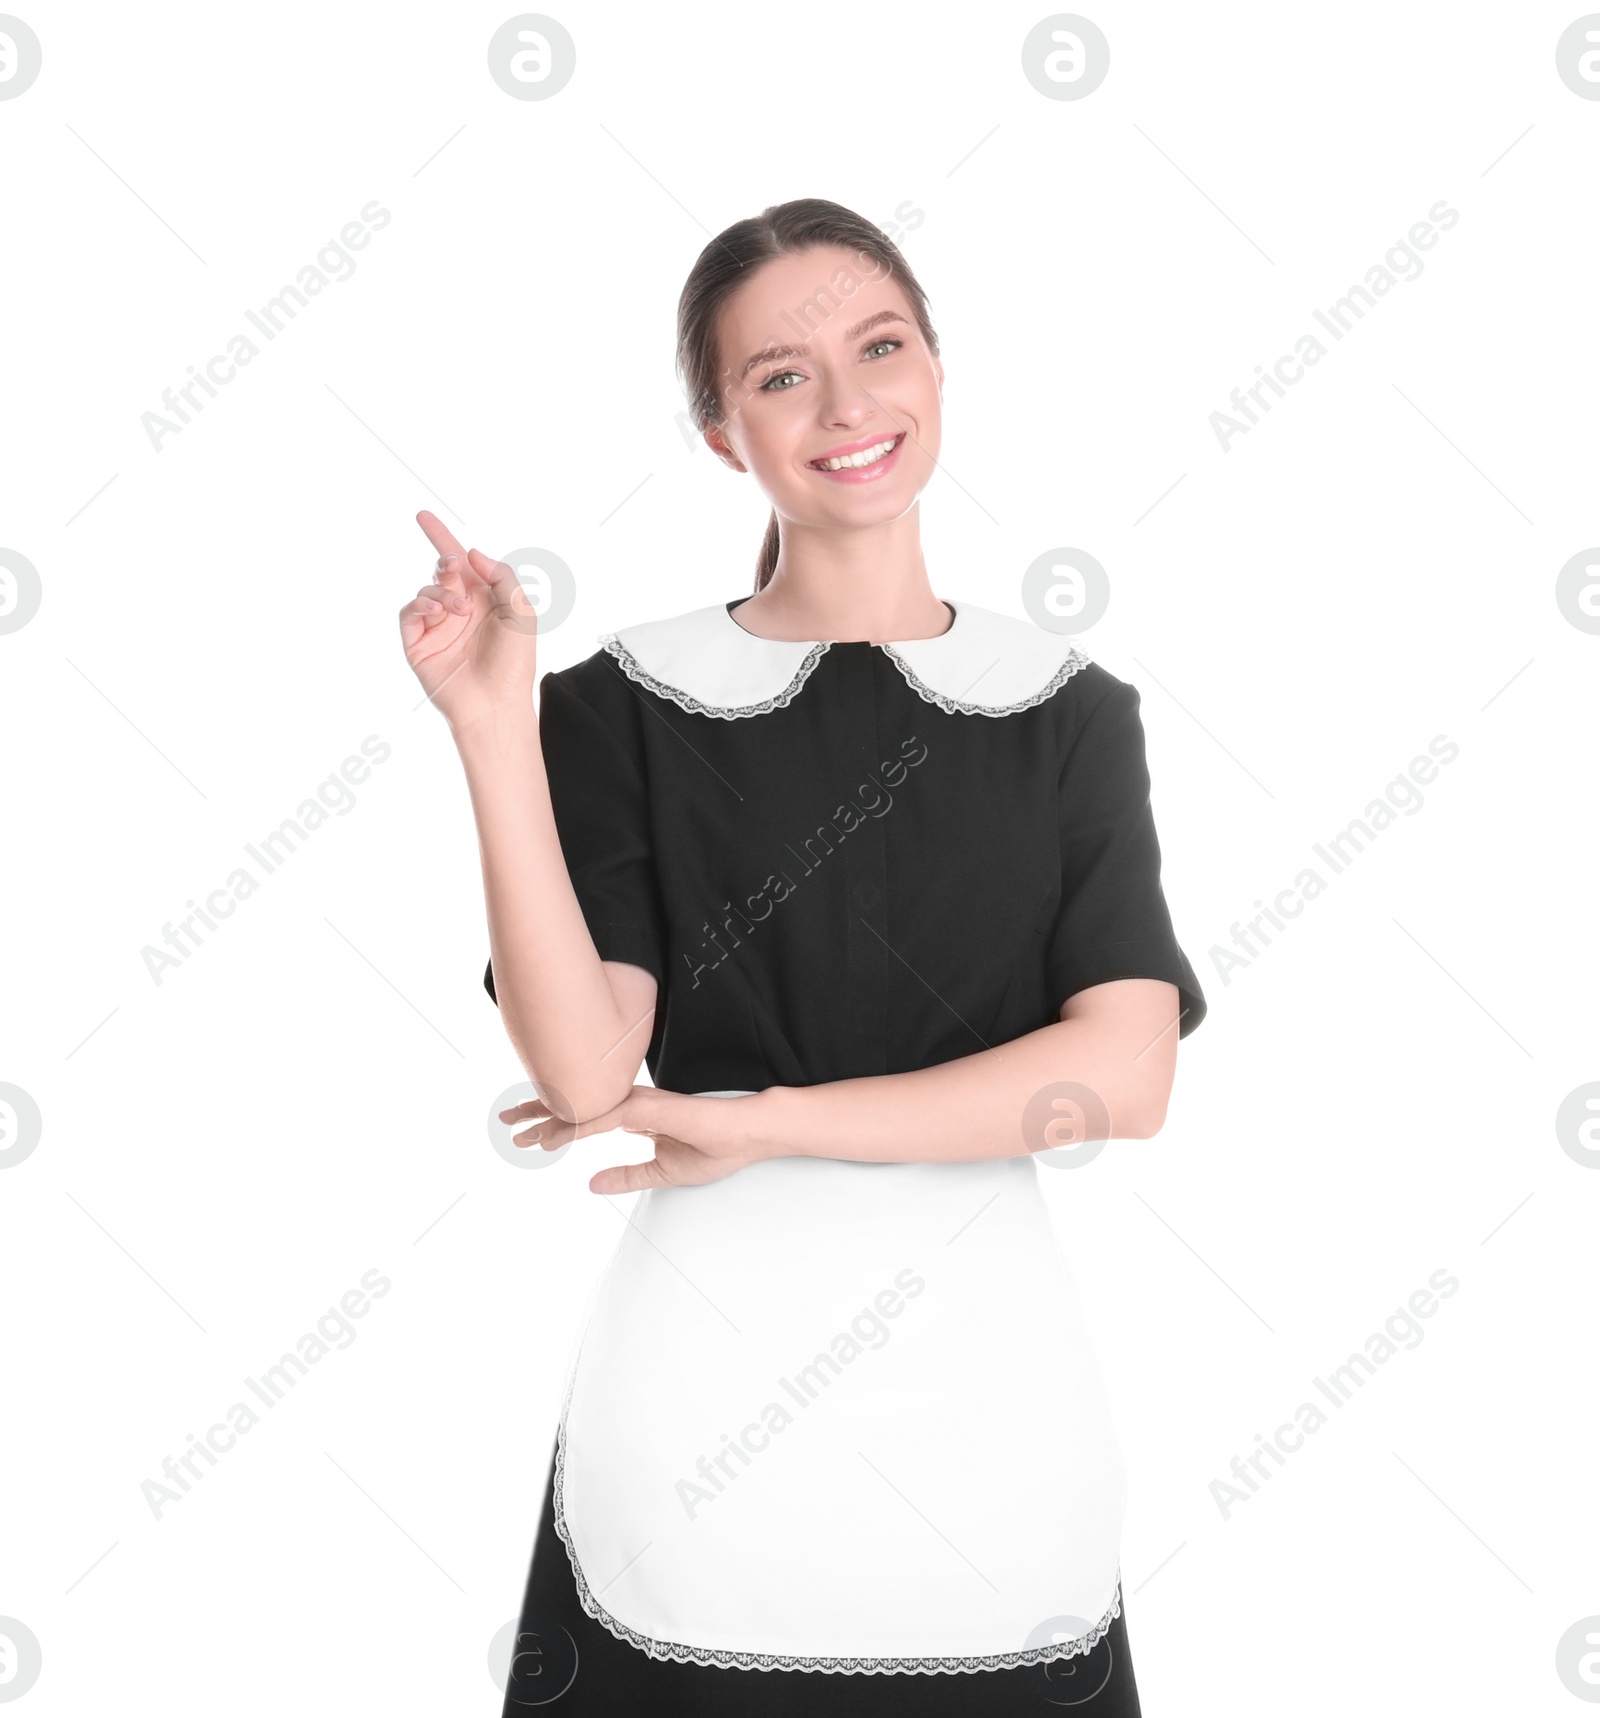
<point x="470" y="636"/>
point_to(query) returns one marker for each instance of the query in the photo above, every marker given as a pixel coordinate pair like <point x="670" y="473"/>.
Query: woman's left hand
<point x="696" y="1139"/>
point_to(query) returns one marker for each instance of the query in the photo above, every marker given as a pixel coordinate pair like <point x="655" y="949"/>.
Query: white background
<point x="1372" y="1099"/>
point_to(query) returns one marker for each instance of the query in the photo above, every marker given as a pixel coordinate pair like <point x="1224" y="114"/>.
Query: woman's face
<point x="821" y="360"/>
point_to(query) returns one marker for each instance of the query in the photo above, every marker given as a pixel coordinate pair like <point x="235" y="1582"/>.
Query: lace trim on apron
<point x="723" y="1659"/>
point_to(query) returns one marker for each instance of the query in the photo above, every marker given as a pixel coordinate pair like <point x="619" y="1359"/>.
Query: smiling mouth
<point x="873" y="455"/>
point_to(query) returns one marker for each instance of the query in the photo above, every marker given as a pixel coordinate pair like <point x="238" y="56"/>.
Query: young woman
<point x="870" y="882"/>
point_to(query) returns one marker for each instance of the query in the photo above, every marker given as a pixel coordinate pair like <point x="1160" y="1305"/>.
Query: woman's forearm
<point x="984" y="1105"/>
<point x="555" y="996"/>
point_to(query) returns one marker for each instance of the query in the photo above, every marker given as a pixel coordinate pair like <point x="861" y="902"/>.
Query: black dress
<point x="835" y="1437"/>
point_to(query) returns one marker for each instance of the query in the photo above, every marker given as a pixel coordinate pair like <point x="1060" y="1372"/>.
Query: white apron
<point x="844" y="1417"/>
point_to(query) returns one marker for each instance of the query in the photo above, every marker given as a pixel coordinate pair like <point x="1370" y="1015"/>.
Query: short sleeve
<point x="1113" y="922"/>
<point x="600" y="799"/>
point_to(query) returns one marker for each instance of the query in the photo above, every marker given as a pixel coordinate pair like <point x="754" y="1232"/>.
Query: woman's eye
<point x="772" y="383"/>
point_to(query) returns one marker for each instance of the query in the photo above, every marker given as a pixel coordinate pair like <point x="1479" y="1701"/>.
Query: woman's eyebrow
<point x="771" y="354"/>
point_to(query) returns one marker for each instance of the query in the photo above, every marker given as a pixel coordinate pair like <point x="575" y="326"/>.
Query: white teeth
<point x="867" y="456"/>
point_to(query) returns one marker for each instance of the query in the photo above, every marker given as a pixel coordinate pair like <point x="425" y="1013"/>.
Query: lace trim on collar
<point x="632" y="667"/>
<point x="957" y="706"/>
<point x="728" y="1659"/>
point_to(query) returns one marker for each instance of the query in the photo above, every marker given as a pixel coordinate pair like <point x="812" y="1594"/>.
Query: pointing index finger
<point x="438" y="533"/>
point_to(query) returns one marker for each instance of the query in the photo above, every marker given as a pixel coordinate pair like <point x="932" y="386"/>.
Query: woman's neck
<point x="867" y="582"/>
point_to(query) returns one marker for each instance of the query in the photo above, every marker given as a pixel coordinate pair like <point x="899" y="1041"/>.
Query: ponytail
<point x="767" y="559"/>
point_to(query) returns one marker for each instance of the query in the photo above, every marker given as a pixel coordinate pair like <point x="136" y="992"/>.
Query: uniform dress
<point x="834" y="1436"/>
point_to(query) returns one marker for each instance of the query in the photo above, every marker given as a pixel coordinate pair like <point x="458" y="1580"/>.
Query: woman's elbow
<point x="1145" y="1111"/>
<point x="575" y="1088"/>
<point x="581" y="1095"/>
<point x="1146" y="1123"/>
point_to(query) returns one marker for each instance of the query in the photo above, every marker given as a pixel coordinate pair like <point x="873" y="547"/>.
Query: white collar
<point x="986" y="663"/>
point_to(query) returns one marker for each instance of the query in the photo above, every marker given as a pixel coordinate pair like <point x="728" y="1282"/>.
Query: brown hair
<point x="729" y="260"/>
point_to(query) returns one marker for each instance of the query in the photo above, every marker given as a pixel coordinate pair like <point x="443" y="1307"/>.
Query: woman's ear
<point x="718" y="443"/>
